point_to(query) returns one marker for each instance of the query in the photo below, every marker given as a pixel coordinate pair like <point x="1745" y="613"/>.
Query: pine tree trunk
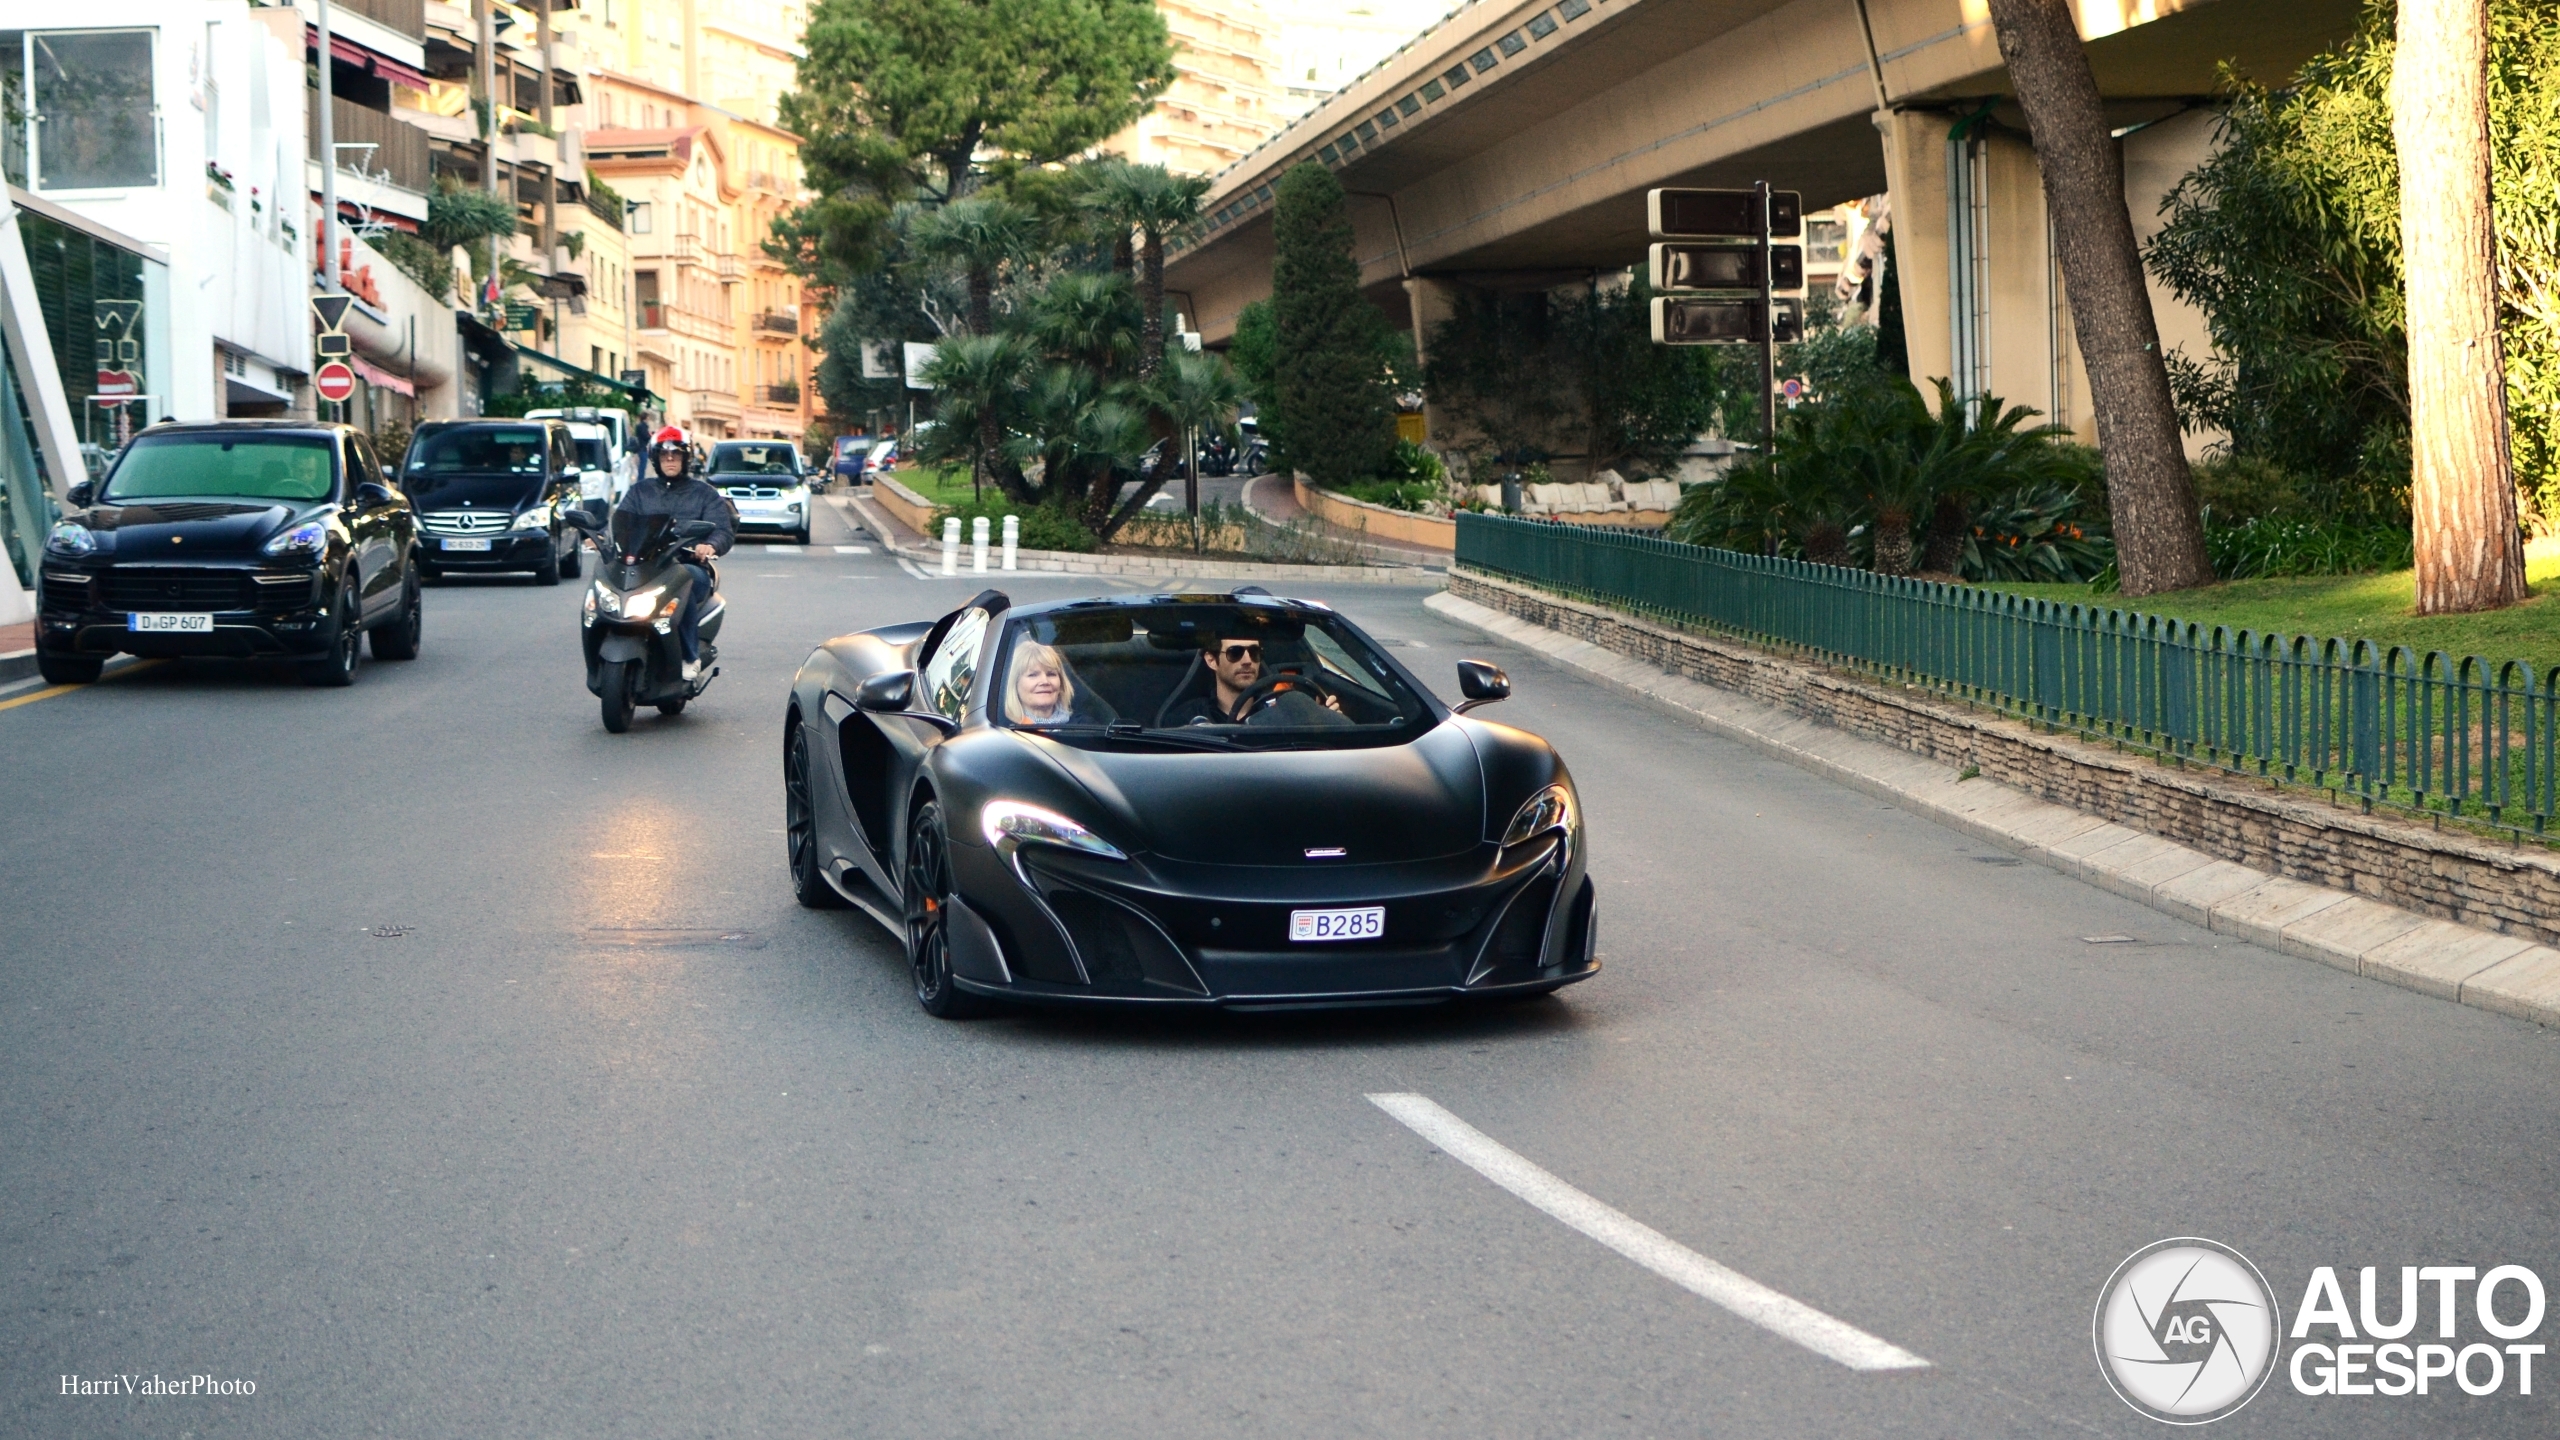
<point x="2462" y="482"/>
<point x="2150" y="495"/>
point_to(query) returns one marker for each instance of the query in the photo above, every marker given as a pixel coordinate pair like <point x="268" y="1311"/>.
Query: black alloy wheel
<point x="399" y="639"/>
<point x="614" y="678"/>
<point x="69" y="669"/>
<point x="928" y="902"/>
<point x="338" y="666"/>
<point x="800" y="826"/>
<point x="546" y="571"/>
<point x="574" y="564"/>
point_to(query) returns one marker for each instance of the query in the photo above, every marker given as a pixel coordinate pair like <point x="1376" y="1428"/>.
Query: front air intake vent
<point x="1523" y="931"/>
<point x="1121" y="949"/>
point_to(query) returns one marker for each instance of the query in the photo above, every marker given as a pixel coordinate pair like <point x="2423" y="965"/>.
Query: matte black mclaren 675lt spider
<point x="1231" y="800"/>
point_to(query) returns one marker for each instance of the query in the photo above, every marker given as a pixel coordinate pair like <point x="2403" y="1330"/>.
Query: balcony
<point x="784" y="395"/>
<point x="409" y="17"/>
<point x="715" y="402"/>
<point x="778" y="322"/>
<point x="732" y="268"/>
<point x="653" y="315"/>
<point x="399" y="148"/>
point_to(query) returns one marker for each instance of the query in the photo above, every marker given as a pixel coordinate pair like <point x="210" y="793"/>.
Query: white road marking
<point x="1779" y="1314"/>
<point x="910" y="567"/>
<point x="853" y="549"/>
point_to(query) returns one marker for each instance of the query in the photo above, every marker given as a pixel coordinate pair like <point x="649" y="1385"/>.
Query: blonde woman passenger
<point x="1042" y="692"/>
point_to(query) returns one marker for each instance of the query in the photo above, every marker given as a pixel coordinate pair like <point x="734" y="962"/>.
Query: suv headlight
<point x="537" y="518"/>
<point x="1553" y="808"/>
<point x="309" y="538"/>
<point x="70" y="539"/>
<point x="1007" y="823"/>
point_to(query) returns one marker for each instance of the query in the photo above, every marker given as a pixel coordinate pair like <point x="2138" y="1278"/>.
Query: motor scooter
<point x="632" y="609"/>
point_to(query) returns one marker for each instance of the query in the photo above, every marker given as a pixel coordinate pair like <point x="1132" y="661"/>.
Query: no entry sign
<point x="335" y="381"/>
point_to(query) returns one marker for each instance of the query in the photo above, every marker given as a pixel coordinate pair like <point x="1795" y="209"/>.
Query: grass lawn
<point x="943" y="485"/>
<point x="2355" y="607"/>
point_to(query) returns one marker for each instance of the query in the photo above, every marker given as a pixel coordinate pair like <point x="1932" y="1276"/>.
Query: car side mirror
<point x="82" y="495"/>
<point x="372" y="495"/>
<point x="1481" y="684"/>
<point x="887" y="694"/>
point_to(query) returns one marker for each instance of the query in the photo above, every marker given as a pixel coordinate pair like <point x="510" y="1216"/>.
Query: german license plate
<point x="1366" y="923"/>
<point x="457" y="543"/>
<point x="166" y="624"/>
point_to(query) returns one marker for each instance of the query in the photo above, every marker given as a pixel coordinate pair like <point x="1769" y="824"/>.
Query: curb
<point x="1062" y="562"/>
<point x="2506" y="974"/>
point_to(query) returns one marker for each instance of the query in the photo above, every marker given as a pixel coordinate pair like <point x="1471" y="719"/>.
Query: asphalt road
<point x="446" y="1066"/>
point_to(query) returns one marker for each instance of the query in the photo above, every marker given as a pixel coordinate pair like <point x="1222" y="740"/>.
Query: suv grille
<point x="178" y="590"/>
<point x="466" y="522"/>
<point x="751" y="492"/>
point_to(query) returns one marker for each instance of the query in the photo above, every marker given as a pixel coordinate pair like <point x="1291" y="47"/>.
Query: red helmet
<point x="668" y="441"/>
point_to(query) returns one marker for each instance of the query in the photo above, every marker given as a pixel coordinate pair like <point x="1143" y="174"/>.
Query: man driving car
<point x="1235" y="665"/>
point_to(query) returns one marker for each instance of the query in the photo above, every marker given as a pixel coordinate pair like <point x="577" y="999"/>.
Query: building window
<point x="1409" y="105"/>
<point x="644" y="285"/>
<point x="1457" y="75"/>
<point x="1574" y="9"/>
<point x="1431" y="90"/>
<point x="1542" y="26"/>
<point x="97" y="127"/>
<point x="1483" y="60"/>
<point x="1510" y="44"/>
<point x="639" y="218"/>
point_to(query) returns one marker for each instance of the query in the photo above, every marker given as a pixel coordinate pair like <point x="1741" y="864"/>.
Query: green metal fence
<point x="2383" y="727"/>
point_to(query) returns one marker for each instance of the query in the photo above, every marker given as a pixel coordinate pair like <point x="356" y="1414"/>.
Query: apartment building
<point x="715" y="323"/>
<point x="1228" y="94"/>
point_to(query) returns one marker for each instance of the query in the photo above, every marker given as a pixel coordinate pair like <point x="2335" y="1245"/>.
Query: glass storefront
<point x="94" y="299"/>
<point x="26" y="500"/>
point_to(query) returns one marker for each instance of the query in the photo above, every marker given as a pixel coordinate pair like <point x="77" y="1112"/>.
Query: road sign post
<point x="1725" y="279"/>
<point x="335" y="381"/>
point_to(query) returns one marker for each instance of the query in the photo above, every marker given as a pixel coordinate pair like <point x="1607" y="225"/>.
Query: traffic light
<point x="1723" y="320"/>
<point x="1725" y="267"/>
<point x="1721" y="214"/>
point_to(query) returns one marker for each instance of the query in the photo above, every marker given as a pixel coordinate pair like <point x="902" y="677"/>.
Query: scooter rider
<point x="668" y="489"/>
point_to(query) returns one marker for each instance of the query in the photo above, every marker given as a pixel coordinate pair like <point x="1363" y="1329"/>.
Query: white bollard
<point x="951" y="545"/>
<point x="1012" y="534"/>
<point x="978" y="544"/>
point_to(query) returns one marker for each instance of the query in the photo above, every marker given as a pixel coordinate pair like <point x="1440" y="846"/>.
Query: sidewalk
<point x="2508" y="974"/>
<point x="1275" y="500"/>
<point x="926" y="553"/>
<point x="17" y="651"/>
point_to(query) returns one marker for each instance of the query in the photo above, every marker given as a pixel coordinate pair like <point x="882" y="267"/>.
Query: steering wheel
<point x="1266" y="692"/>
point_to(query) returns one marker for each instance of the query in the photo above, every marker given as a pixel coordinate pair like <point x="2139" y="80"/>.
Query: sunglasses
<point x="1251" y="651"/>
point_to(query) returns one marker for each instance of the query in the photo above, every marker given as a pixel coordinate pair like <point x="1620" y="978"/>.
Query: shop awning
<point x="371" y="61"/>
<point x="577" y="372"/>
<point x="375" y="375"/>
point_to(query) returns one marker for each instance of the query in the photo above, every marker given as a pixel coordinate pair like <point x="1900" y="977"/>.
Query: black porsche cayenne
<point x="239" y="538"/>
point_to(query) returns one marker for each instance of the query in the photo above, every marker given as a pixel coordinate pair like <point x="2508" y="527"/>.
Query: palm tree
<point x="1085" y="318"/>
<point x="1155" y="202"/>
<point x="978" y="381"/>
<point x="981" y="234"/>
<point x="1195" y="392"/>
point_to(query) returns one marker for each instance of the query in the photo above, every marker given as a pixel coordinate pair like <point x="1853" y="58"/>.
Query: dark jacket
<point x="690" y="498"/>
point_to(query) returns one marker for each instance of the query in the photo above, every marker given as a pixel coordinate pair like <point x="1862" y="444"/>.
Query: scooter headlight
<point x="641" y="604"/>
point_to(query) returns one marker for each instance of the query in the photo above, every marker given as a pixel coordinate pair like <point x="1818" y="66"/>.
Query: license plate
<point x="165" y="624"/>
<point x="1367" y="923"/>
<point x="453" y="543"/>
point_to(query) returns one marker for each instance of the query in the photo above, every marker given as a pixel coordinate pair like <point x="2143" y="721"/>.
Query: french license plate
<point x="165" y="624"/>
<point x="1366" y="923"/>
<point x="456" y="543"/>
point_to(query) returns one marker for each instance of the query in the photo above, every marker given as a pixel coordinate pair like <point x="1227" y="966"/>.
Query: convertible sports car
<point x="1231" y="800"/>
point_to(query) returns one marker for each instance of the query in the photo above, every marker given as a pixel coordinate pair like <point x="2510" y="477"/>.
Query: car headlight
<point x="1550" y="809"/>
<point x="70" y="539"/>
<point x="537" y="518"/>
<point x="311" y="537"/>
<point x="1011" y="821"/>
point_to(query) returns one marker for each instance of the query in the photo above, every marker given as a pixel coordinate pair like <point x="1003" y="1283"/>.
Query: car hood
<point x="1416" y="801"/>
<point x="194" y="529"/>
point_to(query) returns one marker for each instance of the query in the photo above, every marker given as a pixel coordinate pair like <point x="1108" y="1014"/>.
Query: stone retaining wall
<point x="2452" y="874"/>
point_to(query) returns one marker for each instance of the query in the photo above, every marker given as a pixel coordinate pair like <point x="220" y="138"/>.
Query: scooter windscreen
<point x="641" y="534"/>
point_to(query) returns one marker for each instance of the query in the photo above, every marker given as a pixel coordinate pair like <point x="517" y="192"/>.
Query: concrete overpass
<point x="1511" y="146"/>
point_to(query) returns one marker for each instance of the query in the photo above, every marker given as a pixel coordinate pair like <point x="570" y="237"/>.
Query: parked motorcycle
<point x="632" y="611"/>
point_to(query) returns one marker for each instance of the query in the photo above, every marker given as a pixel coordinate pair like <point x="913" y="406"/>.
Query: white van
<point x="619" y="427"/>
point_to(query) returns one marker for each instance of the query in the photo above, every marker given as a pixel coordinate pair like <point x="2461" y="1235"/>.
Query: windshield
<point x="262" y="467"/>
<point x="478" y="451"/>
<point x="592" y="454"/>
<point x="1202" y="675"/>
<point x="776" y="459"/>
